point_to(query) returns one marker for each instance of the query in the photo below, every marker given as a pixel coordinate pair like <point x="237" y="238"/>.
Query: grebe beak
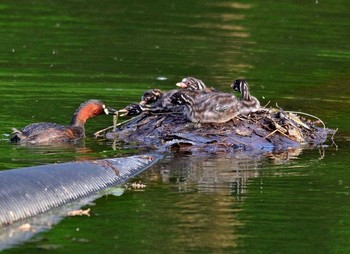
<point x="110" y="111"/>
<point x="234" y="87"/>
<point x="181" y="84"/>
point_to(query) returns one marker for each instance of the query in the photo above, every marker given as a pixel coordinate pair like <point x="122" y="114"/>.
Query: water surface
<point x="55" y="55"/>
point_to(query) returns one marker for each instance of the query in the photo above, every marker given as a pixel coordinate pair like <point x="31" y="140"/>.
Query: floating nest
<point x="272" y="130"/>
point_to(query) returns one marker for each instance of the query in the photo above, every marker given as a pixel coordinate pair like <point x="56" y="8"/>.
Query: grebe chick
<point x="207" y="108"/>
<point x="150" y="97"/>
<point x="37" y="133"/>
<point x="157" y="101"/>
<point x="160" y="101"/>
<point x="132" y="110"/>
<point x="249" y="103"/>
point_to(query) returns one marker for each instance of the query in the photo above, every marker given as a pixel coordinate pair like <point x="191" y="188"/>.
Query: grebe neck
<point x="85" y="111"/>
<point x="245" y="91"/>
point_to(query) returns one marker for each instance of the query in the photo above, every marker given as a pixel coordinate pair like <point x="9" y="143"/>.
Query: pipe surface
<point x="27" y="192"/>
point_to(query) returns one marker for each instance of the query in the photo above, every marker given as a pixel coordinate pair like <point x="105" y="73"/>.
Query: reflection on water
<point x="206" y="217"/>
<point x="206" y="194"/>
<point x="19" y="155"/>
<point x="26" y="229"/>
<point x="210" y="174"/>
<point x="24" y="155"/>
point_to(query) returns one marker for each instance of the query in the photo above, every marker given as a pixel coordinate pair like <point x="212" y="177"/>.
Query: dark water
<point x="56" y="54"/>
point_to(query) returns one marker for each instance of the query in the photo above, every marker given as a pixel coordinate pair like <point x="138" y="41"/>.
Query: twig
<point x="115" y="121"/>
<point x="279" y="107"/>
<point x="296" y="119"/>
<point x="97" y="133"/>
<point x="271" y="133"/>
<point x="284" y="134"/>
<point x="267" y="104"/>
<point x="302" y="113"/>
<point x="332" y="139"/>
<point x="114" y="126"/>
<point x="278" y="127"/>
<point x="322" y="152"/>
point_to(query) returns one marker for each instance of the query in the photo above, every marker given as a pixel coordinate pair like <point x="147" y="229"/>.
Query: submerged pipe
<point x="27" y="192"/>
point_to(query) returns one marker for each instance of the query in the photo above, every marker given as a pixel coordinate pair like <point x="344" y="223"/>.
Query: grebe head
<point x="150" y="96"/>
<point x="192" y="84"/>
<point x="241" y="86"/>
<point x="131" y="110"/>
<point x="88" y="110"/>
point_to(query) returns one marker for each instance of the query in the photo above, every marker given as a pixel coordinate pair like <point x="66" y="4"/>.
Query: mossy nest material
<point x="272" y="130"/>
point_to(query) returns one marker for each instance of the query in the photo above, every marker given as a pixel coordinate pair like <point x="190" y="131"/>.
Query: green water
<point x="56" y="54"/>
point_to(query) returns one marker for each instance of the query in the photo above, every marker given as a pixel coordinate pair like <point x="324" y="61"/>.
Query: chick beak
<point x="181" y="84"/>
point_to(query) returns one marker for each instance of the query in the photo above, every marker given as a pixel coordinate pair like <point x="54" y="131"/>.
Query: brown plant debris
<point x="268" y="130"/>
<point x="79" y="212"/>
<point x="25" y="227"/>
<point x="138" y="185"/>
